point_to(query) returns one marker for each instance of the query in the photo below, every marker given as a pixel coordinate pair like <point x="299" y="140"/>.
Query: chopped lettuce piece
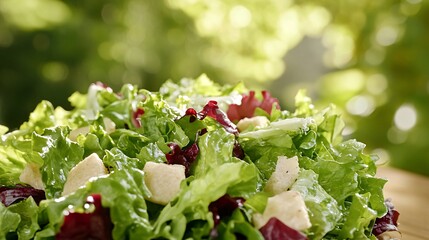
<point x="9" y="221"/>
<point x="59" y="155"/>
<point x="324" y="211"/>
<point x="238" y="179"/>
<point x="28" y="212"/>
<point x="12" y="162"/>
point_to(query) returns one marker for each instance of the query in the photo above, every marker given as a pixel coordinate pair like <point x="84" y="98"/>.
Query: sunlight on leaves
<point x="33" y="15"/>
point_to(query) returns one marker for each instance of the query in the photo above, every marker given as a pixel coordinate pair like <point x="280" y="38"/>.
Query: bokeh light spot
<point x="376" y="84"/>
<point x="361" y="105"/>
<point x="240" y="17"/>
<point x="383" y="156"/>
<point x="340" y="44"/>
<point x="55" y="71"/>
<point x="414" y="1"/>
<point x="396" y="136"/>
<point x="316" y="20"/>
<point x="343" y="85"/>
<point x="386" y="36"/>
<point x="33" y="15"/>
<point x="375" y="55"/>
<point x="405" y="117"/>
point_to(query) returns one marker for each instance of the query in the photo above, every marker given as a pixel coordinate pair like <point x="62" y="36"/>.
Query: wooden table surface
<point x="410" y="195"/>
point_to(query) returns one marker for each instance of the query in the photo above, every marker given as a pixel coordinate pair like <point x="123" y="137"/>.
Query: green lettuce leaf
<point x="197" y="92"/>
<point x="264" y="150"/>
<point x="28" y="212"/>
<point x="9" y="221"/>
<point x="97" y="140"/>
<point x="59" y="155"/>
<point x="191" y="128"/>
<point x="158" y="120"/>
<point x="374" y="186"/>
<point x="120" y="110"/>
<point x="215" y="150"/>
<point x="12" y="162"/>
<point x="129" y="142"/>
<point x="323" y="210"/>
<point x="359" y="217"/>
<point x="238" y="224"/>
<point x="153" y="153"/>
<point x="286" y="137"/>
<point x="42" y="117"/>
<point x="115" y="159"/>
<point x="238" y="179"/>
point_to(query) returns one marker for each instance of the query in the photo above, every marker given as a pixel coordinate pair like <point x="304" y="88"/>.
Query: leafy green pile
<point x="337" y="179"/>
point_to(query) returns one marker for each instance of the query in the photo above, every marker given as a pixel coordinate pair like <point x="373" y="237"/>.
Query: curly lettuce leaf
<point x="128" y="141"/>
<point x="59" y="155"/>
<point x="238" y="179"/>
<point x="288" y="137"/>
<point x="197" y="92"/>
<point x="119" y="111"/>
<point x="358" y="223"/>
<point x="238" y="227"/>
<point x="28" y="212"/>
<point x="153" y="153"/>
<point x="115" y="159"/>
<point x="323" y="209"/>
<point x="12" y="163"/>
<point x="215" y="150"/>
<point x="42" y="117"/>
<point x="157" y="121"/>
<point x="9" y="221"/>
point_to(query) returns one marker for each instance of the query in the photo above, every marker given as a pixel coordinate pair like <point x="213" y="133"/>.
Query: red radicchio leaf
<point x="212" y="110"/>
<point x="223" y="207"/>
<point x="103" y="85"/>
<point x="248" y="105"/>
<point x="91" y="225"/>
<point x="192" y="113"/>
<point x="268" y="101"/>
<point x="108" y="88"/>
<point x="238" y="151"/>
<point x="11" y="195"/>
<point x="275" y="229"/>
<point x="183" y="157"/>
<point x="389" y="222"/>
<point x="136" y="117"/>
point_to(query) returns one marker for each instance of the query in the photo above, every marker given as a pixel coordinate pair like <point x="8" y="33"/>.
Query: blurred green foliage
<point x="372" y="57"/>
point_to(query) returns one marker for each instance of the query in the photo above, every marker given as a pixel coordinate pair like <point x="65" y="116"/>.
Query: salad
<point x="194" y="160"/>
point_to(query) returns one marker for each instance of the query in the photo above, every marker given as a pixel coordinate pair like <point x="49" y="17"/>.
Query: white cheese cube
<point x="78" y="131"/>
<point x="258" y="121"/>
<point x="163" y="181"/>
<point x="92" y="166"/>
<point x="109" y="125"/>
<point x="288" y="207"/>
<point x="285" y="174"/>
<point x="390" y="235"/>
<point x="31" y="176"/>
